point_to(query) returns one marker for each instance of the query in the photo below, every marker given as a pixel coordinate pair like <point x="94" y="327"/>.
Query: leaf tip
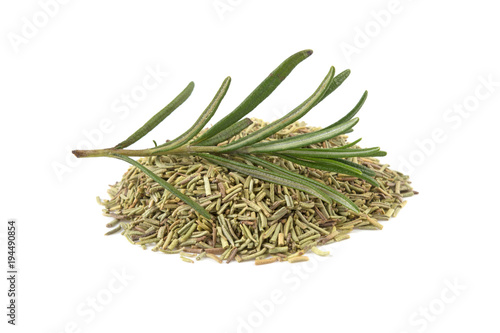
<point x="355" y="208"/>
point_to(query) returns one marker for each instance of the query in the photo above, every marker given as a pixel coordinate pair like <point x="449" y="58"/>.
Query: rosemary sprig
<point x="242" y="155"/>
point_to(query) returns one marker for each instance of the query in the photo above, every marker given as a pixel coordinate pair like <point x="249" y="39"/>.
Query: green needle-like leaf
<point x="353" y="112"/>
<point x="334" y="152"/>
<point x="337" y="82"/>
<point x="260" y="93"/>
<point x="157" y="118"/>
<point x="336" y="196"/>
<point x="228" y="133"/>
<point x="273" y="177"/>
<point x="349" y="144"/>
<point x="284" y="121"/>
<point x="324" y="164"/>
<point x="331" y="166"/>
<point x="302" y="140"/>
<point x="365" y="170"/>
<point x="202" y="120"/>
<point x="165" y="185"/>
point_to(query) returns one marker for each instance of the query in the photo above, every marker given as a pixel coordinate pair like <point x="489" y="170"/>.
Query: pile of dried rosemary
<point x="253" y="219"/>
<point x="246" y="189"/>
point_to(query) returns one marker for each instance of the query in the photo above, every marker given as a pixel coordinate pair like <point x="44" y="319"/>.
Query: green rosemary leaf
<point x="349" y="144"/>
<point x="369" y="179"/>
<point x="335" y="195"/>
<point x="273" y="177"/>
<point x="286" y="120"/>
<point x="157" y="118"/>
<point x="337" y="82"/>
<point x="202" y="120"/>
<point x="302" y="140"/>
<point x="365" y="170"/>
<point x="365" y="176"/>
<point x="334" y="152"/>
<point x="324" y="164"/>
<point x="331" y="166"/>
<point x="353" y="112"/>
<point x="348" y="171"/>
<point x="165" y="185"/>
<point x="229" y="132"/>
<point x="260" y="93"/>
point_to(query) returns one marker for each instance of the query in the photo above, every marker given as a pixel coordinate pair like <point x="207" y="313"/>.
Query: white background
<point x="421" y="64"/>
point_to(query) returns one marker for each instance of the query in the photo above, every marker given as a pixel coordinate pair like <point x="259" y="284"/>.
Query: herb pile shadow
<point x="245" y="189"/>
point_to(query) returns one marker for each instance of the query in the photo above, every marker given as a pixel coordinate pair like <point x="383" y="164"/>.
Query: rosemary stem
<point x="183" y="150"/>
